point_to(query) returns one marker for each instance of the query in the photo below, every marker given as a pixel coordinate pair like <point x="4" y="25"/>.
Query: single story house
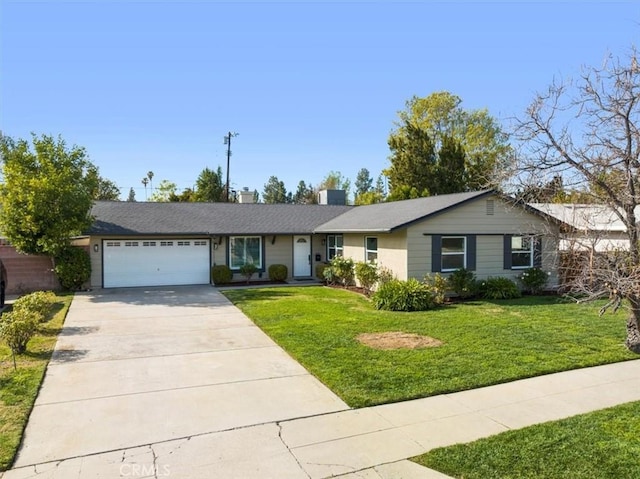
<point x="588" y="227"/>
<point x="155" y="244"/>
<point x="147" y="244"/>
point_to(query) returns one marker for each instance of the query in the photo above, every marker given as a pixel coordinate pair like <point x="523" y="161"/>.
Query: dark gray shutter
<point x="507" y="252"/>
<point x="471" y="252"/>
<point x="436" y="253"/>
<point x="537" y="252"/>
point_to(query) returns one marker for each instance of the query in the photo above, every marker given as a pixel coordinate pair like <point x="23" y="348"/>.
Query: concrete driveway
<point x="166" y="381"/>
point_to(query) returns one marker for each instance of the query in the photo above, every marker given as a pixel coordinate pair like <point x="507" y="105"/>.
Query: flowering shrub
<point x="342" y="271"/>
<point x="533" y="280"/>
<point x="437" y="284"/>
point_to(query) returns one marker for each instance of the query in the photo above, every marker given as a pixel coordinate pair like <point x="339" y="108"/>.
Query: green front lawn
<point x="599" y="445"/>
<point x="19" y="388"/>
<point x="485" y="342"/>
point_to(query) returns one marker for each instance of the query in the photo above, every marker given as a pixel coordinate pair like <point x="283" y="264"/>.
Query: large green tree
<point x="413" y="164"/>
<point x="335" y="181"/>
<point x="304" y="194"/>
<point x="364" y="182"/>
<point x="106" y="190"/>
<point x="210" y="187"/>
<point x="164" y="192"/>
<point x="46" y="193"/>
<point x="274" y="191"/>
<point x="432" y="135"/>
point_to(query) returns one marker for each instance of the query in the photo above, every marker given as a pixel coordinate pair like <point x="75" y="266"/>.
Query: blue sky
<point x="311" y="87"/>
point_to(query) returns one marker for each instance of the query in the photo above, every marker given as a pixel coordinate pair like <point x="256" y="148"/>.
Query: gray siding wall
<point x="489" y="229"/>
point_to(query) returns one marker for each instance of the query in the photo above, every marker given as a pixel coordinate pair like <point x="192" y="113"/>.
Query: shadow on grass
<point x="239" y="295"/>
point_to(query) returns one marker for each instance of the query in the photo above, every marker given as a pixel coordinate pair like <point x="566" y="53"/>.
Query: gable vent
<point x="490" y="207"/>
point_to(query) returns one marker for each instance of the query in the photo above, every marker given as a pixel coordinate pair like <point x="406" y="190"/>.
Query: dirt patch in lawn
<point x="397" y="340"/>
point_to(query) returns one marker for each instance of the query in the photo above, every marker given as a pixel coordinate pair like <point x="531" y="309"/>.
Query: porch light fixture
<point x="95" y="248"/>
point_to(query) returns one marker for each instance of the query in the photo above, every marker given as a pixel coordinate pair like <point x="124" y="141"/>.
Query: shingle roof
<point x="142" y="218"/>
<point x="586" y="217"/>
<point x="387" y="217"/>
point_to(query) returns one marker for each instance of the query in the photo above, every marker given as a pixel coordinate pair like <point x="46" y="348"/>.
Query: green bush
<point x="73" y="268"/>
<point x="499" y="288"/>
<point x="385" y="275"/>
<point x="437" y="284"/>
<point x="533" y="280"/>
<point x="320" y="269"/>
<point x="367" y="274"/>
<point x="463" y="283"/>
<point x="39" y="302"/>
<point x="397" y="295"/>
<point x="278" y="272"/>
<point x="248" y="270"/>
<point x="221" y="274"/>
<point x="17" y="327"/>
<point x="343" y="270"/>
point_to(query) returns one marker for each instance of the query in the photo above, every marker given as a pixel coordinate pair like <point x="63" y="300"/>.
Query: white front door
<point x="301" y="256"/>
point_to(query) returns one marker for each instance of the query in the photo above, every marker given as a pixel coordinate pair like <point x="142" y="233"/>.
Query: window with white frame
<point x="522" y="252"/>
<point x="334" y="246"/>
<point x="454" y="253"/>
<point x="371" y="249"/>
<point x="244" y="250"/>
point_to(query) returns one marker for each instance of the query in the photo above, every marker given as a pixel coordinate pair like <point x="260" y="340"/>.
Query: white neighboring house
<point x="594" y="228"/>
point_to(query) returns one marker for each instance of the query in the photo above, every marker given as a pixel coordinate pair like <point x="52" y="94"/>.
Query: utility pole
<point x="227" y="141"/>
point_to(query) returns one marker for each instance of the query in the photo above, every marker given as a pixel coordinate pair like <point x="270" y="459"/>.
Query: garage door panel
<point x="155" y="262"/>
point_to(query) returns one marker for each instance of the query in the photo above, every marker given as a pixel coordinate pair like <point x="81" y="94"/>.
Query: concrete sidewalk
<point x="361" y="440"/>
<point x="149" y="383"/>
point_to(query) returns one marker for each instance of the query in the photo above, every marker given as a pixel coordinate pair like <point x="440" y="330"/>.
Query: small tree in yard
<point x="589" y="133"/>
<point x="248" y="270"/>
<point x="17" y="327"/>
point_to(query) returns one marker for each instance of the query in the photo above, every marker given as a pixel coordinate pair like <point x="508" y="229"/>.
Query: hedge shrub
<point x="343" y="270"/>
<point x="499" y="288"/>
<point x="534" y="280"/>
<point x="411" y="295"/>
<point x="320" y="269"/>
<point x="39" y="302"/>
<point x="221" y="274"/>
<point x="73" y="268"/>
<point x="367" y="274"/>
<point x="463" y="283"/>
<point x="278" y="272"/>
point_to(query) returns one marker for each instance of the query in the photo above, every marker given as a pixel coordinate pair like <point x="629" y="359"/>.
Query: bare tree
<point x="587" y="132"/>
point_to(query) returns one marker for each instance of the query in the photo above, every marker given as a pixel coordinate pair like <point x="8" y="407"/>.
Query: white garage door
<point x="155" y="262"/>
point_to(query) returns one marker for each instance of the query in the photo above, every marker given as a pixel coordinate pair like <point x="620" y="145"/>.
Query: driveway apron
<point x="165" y="366"/>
